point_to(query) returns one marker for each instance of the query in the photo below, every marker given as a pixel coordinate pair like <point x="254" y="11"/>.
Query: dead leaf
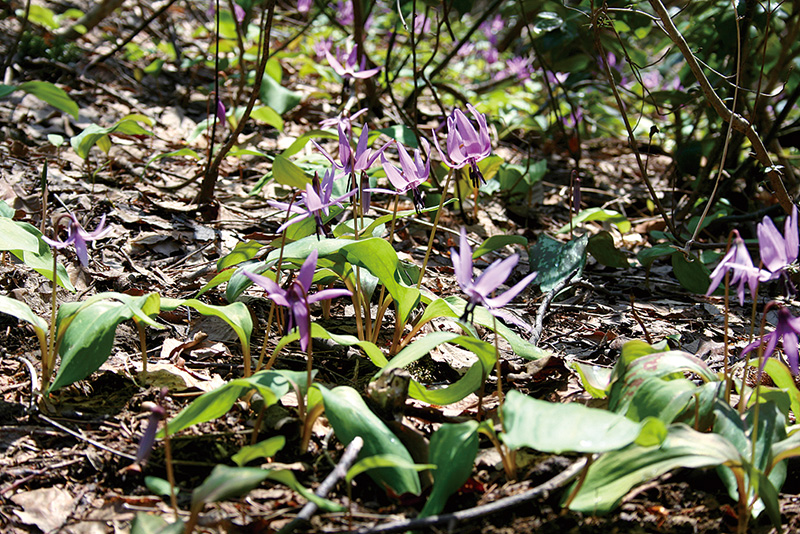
<point x="46" y="508"/>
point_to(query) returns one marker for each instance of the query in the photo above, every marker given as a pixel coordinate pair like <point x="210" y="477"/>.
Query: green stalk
<point x="435" y="225"/>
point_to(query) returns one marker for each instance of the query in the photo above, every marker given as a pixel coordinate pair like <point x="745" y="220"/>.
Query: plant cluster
<point x="533" y="75"/>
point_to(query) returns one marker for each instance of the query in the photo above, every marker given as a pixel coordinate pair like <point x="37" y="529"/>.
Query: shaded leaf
<point x="350" y="417"/>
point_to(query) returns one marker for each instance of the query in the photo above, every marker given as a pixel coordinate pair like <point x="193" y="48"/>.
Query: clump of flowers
<point x="465" y="144"/>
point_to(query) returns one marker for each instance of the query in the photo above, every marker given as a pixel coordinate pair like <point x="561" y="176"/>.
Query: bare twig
<point x="739" y="123"/>
<point x="339" y="472"/>
<point x="88" y="440"/>
<point x="499" y="505"/>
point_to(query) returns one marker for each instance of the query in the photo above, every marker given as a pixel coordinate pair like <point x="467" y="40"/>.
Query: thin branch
<point x="499" y="505"/>
<point x="339" y="472"/>
<point x="739" y="123"/>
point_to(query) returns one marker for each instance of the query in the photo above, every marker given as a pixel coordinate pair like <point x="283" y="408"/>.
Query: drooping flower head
<point x="479" y="290"/>
<point x="787" y="329"/>
<point x="411" y="174"/>
<point x="778" y="251"/>
<point x="314" y="202"/>
<point x="78" y="237"/>
<point x="296" y="298"/>
<point x="465" y="145"/>
<point x="352" y="163"/>
<point x="736" y="260"/>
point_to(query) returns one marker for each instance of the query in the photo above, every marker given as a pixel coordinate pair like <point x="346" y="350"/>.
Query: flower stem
<point x="433" y="230"/>
<point x="49" y="358"/>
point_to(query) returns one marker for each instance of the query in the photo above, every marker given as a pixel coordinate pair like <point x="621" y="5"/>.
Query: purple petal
<point x="328" y="294"/>
<point x="81" y="250"/>
<point x="496" y="274"/>
<point x="266" y="283"/>
<point x="791" y="233"/>
<point x="306" y="274"/>
<point x="302" y="320"/>
<point x="238" y="12"/>
<point x="501" y="300"/>
<point x="771" y="245"/>
<point x="462" y="261"/>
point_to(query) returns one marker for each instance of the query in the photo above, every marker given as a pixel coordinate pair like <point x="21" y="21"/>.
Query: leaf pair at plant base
<point x="86" y="329"/>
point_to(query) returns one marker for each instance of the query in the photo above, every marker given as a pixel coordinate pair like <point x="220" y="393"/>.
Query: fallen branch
<point x="499" y="505"/>
<point x="339" y="472"/>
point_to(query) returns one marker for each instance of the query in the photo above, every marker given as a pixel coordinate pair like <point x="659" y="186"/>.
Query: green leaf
<point x="317" y="331"/>
<point x="663" y="399"/>
<point x="599" y="214"/>
<point x="555" y="261"/>
<point x="6" y="90"/>
<point x="264" y="449"/>
<point x="692" y="273"/>
<point x="453" y="450"/>
<point x="374" y="254"/>
<point x="243" y="251"/>
<point x="783" y="378"/>
<point x="153" y="524"/>
<point x="402" y="133"/>
<point x="277" y="97"/>
<point x="303" y="140"/>
<point x="383" y="460"/>
<point x="601" y="246"/>
<point x="627" y="378"/>
<point x="556" y="428"/>
<point x="227" y="482"/>
<point x="21" y="311"/>
<point x="771" y="429"/>
<point x="55" y="96"/>
<point x="235" y="314"/>
<point x="615" y="473"/>
<point x="89" y="336"/>
<point x="92" y="134"/>
<point x="288" y="174"/>
<point x="547" y="21"/>
<point x="472" y="380"/>
<point x="41" y="261"/>
<point x="271" y="385"/>
<point x="454" y="307"/>
<point x="268" y="116"/>
<point x="350" y="417"/>
<point x="647" y="256"/>
<point x="594" y="379"/>
<point x="13" y="236"/>
<point x="159" y="486"/>
<point x="498" y="241"/>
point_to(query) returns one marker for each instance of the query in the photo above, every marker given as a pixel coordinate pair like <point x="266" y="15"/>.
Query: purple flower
<point x="479" y="290"/>
<point x="304" y="6"/>
<point x="737" y="260"/>
<point x="78" y="237"/>
<point x="411" y="174"/>
<point x="221" y="111"/>
<point x="353" y="162"/>
<point x="787" y="329"/>
<point x="491" y="28"/>
<point x="296" y="297"/>
<point x="518" y="68"/>
<point x="778" y="251"/>
<point x="344" y="12"/>
<point x="465" y="145"/>
<point x="322" y="47"/>
<point x="316" y="200"/>
<point x="422" y="24"/>
<point x="346" y="63"/>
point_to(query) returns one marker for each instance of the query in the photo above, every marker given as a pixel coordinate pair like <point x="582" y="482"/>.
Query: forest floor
<point x="65" y="470"/>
